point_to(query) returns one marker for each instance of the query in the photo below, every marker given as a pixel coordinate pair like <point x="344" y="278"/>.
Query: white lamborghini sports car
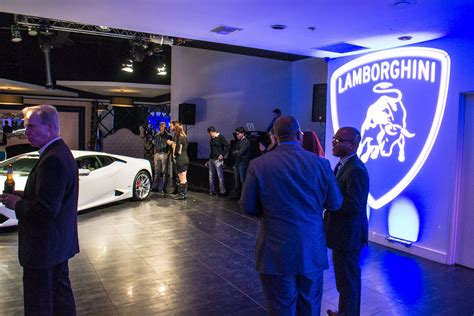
<point x="103" y="178"/>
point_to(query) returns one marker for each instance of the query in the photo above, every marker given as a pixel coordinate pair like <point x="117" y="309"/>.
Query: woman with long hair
<point x="311" y="143"/>
<point x="180" y="155"/>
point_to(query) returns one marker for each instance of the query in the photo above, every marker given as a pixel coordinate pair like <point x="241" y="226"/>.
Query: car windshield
<point x="22" y="165"/>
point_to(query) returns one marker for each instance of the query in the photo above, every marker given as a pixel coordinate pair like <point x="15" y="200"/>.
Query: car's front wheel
<point x="141" y="185"/>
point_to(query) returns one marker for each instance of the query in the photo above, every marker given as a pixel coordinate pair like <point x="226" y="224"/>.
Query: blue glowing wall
<point x="380" y="94"/>
<point x="406" y="103"/>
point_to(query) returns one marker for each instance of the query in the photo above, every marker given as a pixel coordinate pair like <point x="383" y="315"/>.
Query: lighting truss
<point x="66" y="26"/>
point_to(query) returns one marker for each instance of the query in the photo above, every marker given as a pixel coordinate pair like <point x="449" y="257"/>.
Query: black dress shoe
<point x="222" y="194"/>
<point x="212" y="193"/>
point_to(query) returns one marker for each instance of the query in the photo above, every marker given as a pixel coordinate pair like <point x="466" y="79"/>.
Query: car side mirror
<point x="84" y="172"/>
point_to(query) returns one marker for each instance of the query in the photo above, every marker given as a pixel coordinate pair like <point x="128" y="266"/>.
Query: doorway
<point x="464" y="252"/>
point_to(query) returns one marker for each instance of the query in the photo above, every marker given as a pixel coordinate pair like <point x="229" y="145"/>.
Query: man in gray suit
<point x="347" y="229"/>
<point x="287" y="189"/>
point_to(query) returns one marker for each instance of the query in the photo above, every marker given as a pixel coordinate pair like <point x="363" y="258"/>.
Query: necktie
<point x="336" y="170"/>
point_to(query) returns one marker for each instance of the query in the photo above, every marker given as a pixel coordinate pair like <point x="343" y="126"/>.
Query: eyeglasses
<point x="337" y="140"/>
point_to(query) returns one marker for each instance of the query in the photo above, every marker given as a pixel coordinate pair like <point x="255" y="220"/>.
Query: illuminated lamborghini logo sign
<point x="397" y="99"/>
<point x="384" y="129"/>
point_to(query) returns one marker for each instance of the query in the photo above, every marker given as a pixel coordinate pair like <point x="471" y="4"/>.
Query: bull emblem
<point x="384" y="127"/>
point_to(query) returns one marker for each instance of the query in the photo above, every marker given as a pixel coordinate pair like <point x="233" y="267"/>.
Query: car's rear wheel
<point x="141" y="185"/>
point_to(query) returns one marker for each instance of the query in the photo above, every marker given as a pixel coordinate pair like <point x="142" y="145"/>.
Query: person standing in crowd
<point x="311" y="143"/>
<point x="174" y="178"/>
<point x="242" y="158"/>
<point x="6" y="127"/>
<point x="219" y="148"/>
<point x="288" y="189"/>
<point x="161" y="158"/>
<point x="276" y="115"/>
<point x="47" y="217"/>
<point x="273" y="143"/>
<point x="347" y="229"/>
<point x="181" y="160"/>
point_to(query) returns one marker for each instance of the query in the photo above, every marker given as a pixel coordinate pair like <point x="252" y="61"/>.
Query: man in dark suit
<point x="47" y="218"/>
<point x="347" y="229"/>
<point x="241" y="153"/>
<point x="287" y="189"/>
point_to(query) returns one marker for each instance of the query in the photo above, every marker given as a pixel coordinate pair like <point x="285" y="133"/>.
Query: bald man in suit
<point x="47" y="218"/>
<point x="287" y="190"/>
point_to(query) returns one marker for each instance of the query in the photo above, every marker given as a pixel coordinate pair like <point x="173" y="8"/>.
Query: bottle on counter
<point x="9" y="186"/>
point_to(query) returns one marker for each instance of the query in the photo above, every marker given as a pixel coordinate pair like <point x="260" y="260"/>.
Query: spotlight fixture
<point x="16" y="35"/>
<point x="165" y="40"/>
<point x="162" y="40"/>
<point x="128" y="66"/>
<point x="139" y="50"/>
<point x="404" y="242"/>
<point x="32" y="31"/>
<point x="121" y="102"/>
<point x="161" y="71"/>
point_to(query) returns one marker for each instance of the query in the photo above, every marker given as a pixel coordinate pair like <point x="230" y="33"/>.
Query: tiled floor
<point x="196" y="257"/>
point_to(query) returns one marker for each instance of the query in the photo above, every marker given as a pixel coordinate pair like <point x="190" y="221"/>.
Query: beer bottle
<point x="9" y="186"/>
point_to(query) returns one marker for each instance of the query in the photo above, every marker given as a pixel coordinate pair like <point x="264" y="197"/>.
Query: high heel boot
<point x="182" y="188"/>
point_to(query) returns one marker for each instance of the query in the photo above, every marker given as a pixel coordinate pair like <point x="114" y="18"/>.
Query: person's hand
<point x="207" y="164"/>
<point x="9" y="200"/>
<point x="220" y="157"/>
<point x="169" y="142"/>
<point x="261" y="147"/>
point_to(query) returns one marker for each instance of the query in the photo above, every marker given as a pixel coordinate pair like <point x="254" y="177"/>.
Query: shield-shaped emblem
<point x="396" y="98"/>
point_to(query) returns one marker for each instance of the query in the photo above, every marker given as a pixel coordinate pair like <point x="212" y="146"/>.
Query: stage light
<point x="128" y="66"/>
<point x="403" y="222"/>
<point x="16" y="35"/>
<point x="32" y="31"/>
<point x="161" y="71"/>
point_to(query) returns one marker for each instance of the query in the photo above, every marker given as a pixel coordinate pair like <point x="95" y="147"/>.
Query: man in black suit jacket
<point x="347" y="229"/>
<point x="47" y="218"/>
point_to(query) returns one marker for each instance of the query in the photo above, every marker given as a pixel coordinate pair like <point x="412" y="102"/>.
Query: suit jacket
<point x="47" y="213"/>
<point x="347" y="229"/>
<point x="242" y="151"/>
<point x="288" y="189"/>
